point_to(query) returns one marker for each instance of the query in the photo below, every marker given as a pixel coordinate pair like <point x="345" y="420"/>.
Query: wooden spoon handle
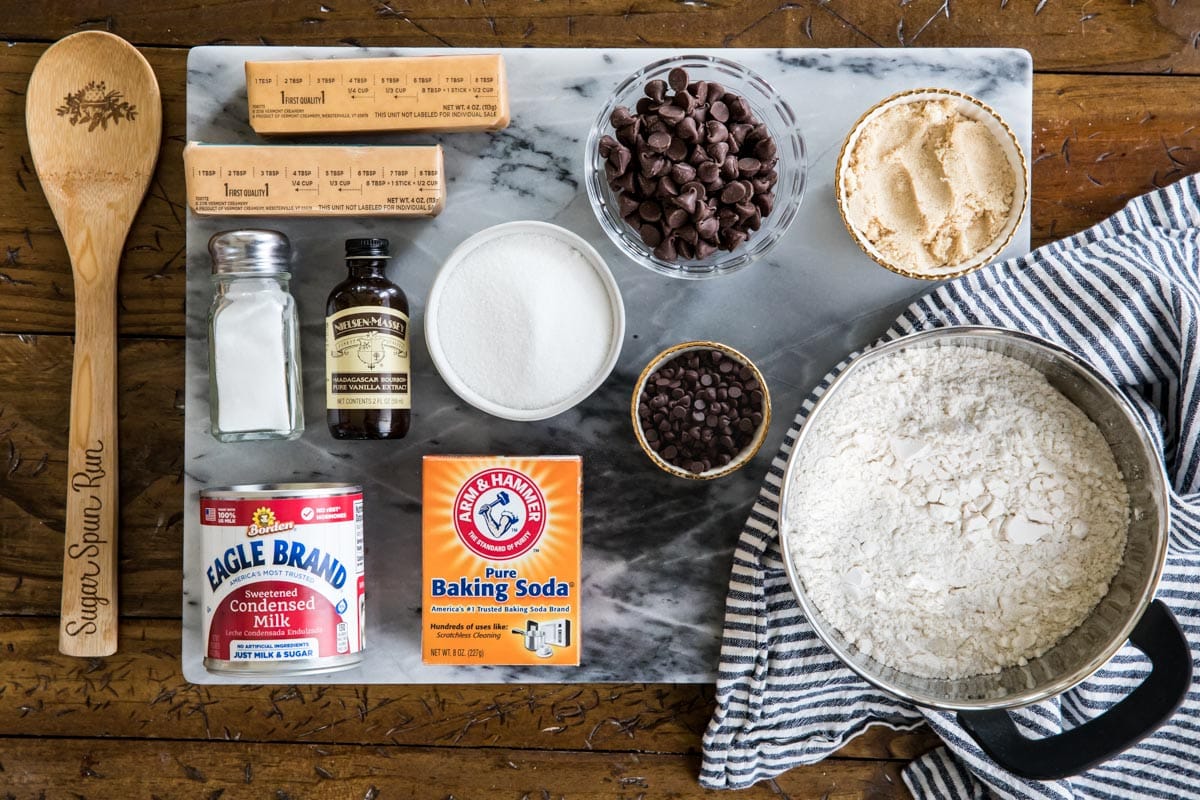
<point x="88" y="626"/>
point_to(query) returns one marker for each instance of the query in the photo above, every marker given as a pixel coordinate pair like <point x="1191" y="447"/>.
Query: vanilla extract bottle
<point x="367" y="390"/>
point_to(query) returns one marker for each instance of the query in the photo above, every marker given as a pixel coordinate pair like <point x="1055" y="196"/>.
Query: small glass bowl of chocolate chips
<point x="701" y="410"/>
<point x="696" y="167"/>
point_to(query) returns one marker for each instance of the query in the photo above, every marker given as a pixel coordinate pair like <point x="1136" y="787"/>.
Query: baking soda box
<point x="501" y="552"/>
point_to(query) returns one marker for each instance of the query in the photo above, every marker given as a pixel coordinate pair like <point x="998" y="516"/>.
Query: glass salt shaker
<point x="254" y="378"/>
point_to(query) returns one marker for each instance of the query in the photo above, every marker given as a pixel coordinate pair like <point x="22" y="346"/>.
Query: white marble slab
<point x="657" y="549"/>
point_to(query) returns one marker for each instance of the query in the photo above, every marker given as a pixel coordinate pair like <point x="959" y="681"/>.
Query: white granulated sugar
<point x="525" y="321"/>
<point x="953" y="514"/>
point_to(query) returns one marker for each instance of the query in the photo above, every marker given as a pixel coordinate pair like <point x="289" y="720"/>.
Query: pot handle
<point x="1151" y="704"/>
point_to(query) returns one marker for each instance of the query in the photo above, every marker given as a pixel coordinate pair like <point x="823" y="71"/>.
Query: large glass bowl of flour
<point x="524" y="320"/>
<point x="1103" y="630"/>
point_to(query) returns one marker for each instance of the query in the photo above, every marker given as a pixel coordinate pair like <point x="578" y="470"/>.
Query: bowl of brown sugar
<point x="932" y="183"/>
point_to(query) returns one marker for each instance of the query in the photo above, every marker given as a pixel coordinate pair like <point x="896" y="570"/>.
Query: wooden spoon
<point x="94" y="119"/>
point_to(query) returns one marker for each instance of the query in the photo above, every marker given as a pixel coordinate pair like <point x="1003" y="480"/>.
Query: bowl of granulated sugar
<point x="524" y="320"/>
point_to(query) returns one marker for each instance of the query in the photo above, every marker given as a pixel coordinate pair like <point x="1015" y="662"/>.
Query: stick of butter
<point x="327" y="180"/>
<point x="409" y="93"/>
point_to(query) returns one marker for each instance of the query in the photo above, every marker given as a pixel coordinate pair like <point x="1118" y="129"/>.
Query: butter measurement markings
<point x="377" y="176"/>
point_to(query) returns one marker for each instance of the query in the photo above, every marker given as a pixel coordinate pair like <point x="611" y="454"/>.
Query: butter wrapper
<point x="433" y="94"/>
<point x="327" y="180"/>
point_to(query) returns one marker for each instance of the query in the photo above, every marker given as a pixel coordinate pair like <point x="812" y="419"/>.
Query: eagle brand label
<point x="501" y="553"/>
<point x="283" y="584"/>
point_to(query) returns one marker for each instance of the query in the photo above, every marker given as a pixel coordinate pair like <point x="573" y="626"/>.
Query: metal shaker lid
<point x="250" y="250"/>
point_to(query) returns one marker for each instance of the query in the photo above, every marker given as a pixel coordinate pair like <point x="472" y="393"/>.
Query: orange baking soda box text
<point x="501" y="552"/>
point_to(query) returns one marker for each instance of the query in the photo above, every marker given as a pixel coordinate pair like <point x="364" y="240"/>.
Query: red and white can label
<point x="283" y="578"/>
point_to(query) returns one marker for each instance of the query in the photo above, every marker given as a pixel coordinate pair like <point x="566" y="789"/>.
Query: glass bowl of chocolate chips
<point x="696" y="167"/>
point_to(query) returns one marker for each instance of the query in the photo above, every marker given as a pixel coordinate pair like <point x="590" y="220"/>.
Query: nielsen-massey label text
<point x="367" y="360"/>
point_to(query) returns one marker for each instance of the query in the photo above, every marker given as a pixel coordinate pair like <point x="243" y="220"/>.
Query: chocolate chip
<point x="765" y="149"/>
<point x="683" y="173"/>
<point x="626" y="205"/>
<point x="651" y="234"/>
<point x="666" y="249"/>
<point x="718" y="111"/>
<point x="670" y="114"/>
<point x="687" y="129"/>
<point x="685" y="101"/>
<point x="729" y="168"/>
<point x="621" y="117"/>
<point x="650" y="211"/>
<point x="717" y="132"/>
<point x="733" y="193"/>
<point x="656" y="90"/>
<point x="619" y="157"/>
<point x="673" y="219"/>
<point x="687" y="199"/>
<point x="748" y="167"/>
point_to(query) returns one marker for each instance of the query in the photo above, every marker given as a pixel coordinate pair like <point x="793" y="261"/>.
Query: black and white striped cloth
<point x="1125" y="295"/>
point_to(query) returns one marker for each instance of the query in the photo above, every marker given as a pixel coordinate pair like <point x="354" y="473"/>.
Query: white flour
<point x="525" y="321"/>
<point x="954" y="514"/>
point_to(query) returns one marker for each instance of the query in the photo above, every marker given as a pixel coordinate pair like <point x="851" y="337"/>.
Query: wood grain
<point x="34" y="402"/>
<point x="1099" y="143"/>
<point x="1124" y="135"/>
<point x="83" y="769"/>
<point x="140" y="692"/>
<point x="1147" y="36"/>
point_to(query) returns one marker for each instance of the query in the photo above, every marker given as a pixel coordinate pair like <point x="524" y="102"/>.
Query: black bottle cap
<point x="366" y="248"/>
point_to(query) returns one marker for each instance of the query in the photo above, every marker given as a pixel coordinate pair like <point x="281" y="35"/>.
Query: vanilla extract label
<point x="367" y="361"/>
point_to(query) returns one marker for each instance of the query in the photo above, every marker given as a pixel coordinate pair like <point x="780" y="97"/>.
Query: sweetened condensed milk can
<point x="283" y="585"/>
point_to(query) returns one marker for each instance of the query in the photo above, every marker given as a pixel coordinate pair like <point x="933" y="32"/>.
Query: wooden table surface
<point x="1114" y="115"/>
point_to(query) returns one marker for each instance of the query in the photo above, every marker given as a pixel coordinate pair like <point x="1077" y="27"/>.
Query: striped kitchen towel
<point x="1125" y="295"/>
